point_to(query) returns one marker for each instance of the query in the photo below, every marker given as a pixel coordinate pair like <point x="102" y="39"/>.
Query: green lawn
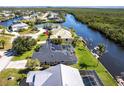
<point x="42" y="37"/>
<point x="23" y="56"/>
<point x="85" y="57"/>
<point x="27" y="31"/>
<point x="13" y="73"/>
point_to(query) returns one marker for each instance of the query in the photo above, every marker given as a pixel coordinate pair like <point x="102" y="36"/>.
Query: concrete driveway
<point x="17" y="64"/>
<point x="4" y="60"/>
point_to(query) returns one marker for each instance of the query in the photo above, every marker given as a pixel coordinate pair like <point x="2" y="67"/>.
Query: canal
<point x="113" y="59"/>
<point x="10" y="21"/>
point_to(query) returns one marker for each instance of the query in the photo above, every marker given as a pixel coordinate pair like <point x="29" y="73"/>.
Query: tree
<point x="2" y="42"/>
<point x="75" y="41"/>
<point x="33" y="64"/>
<point x="57" y="41"/>
<point x="49" y="34"/>
<point x="23" y="44"/>
<point x="3" y="32"/>
<point x="101" y="49"/>
<point x="37" y="48"/>
<point x="82" y="65"/>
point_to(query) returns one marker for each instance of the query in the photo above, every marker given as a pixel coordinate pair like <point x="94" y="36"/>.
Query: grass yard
<point x="7" y="40"/>
<point x="16" y="74"/>
<point x="91" y="63"/>
<point x="23" y="56"/>
<point x="42" y="37"/>
<point x="27" y="31"/>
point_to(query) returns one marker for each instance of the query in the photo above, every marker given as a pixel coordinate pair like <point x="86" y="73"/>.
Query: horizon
<point x="102" y="7"/>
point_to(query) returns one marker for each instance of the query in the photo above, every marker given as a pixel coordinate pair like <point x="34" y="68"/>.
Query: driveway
<point x="17" y="64"/>
<point x="4" y="60"/>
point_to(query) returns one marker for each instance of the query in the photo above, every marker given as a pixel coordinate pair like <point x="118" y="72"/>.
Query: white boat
<point x="95" y="55"/>
<point x="120" y="79"/>
<point x="96" y="48"/>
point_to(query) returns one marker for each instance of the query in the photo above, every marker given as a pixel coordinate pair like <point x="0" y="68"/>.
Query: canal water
<point x="10" y="21"/>
<point x="113" y="59"/>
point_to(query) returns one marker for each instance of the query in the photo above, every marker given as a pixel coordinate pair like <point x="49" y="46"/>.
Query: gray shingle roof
<point x="46" y="54"/>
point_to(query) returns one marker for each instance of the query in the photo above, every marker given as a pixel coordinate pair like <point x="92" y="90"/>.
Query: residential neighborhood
<point x="41" y="48"/>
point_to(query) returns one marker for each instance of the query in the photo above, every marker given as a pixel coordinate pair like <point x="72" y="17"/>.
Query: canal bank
<point x="113" y="59"/>
<point x="86" y="61"/>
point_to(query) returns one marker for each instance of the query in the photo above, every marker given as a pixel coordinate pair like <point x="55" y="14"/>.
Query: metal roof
<point x="59" y="75"/>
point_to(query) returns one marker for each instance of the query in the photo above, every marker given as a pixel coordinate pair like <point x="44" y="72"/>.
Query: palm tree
<point x="2" y="43"/>
<point x="3" y="32"/>
<point x="76" y="41"/>
<point x="49" y="34"/>
<point x="33" y="64"/>
<point x="101" y="49"/>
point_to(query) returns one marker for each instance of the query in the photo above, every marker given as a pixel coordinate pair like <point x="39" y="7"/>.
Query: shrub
<point x="37" y="48"/>
<point x="33" y="64"/>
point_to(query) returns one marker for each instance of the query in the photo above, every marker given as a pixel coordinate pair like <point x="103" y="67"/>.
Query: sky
<point x="61" y="2"/>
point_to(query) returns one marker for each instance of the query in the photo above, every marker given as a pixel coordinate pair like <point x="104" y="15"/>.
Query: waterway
<point x="113" y="59"/>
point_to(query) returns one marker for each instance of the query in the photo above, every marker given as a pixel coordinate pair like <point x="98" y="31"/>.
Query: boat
<point x="96" y="48"/>
<point x="82" y="39"/>
<point x="120" y="79"/>
<point x="95" y="55"/>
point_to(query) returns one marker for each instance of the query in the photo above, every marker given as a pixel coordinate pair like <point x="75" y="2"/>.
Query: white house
<point x="26" y="18"/>
<point x="62" y="32"/>
<point x="18" y="26"/>
<point x="59" y="75"/>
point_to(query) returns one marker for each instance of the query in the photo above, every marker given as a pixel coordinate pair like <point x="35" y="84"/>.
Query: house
<point x="51" y="54"/>
<point x="61" y="32"/>
<point x="57" y="31"/>
<point x="51" y="16"/>
<point x="62" y="75"/>
<point x="59" y="75"/>
<point x="18" y="26"/>
<point x="26" y="18"/>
